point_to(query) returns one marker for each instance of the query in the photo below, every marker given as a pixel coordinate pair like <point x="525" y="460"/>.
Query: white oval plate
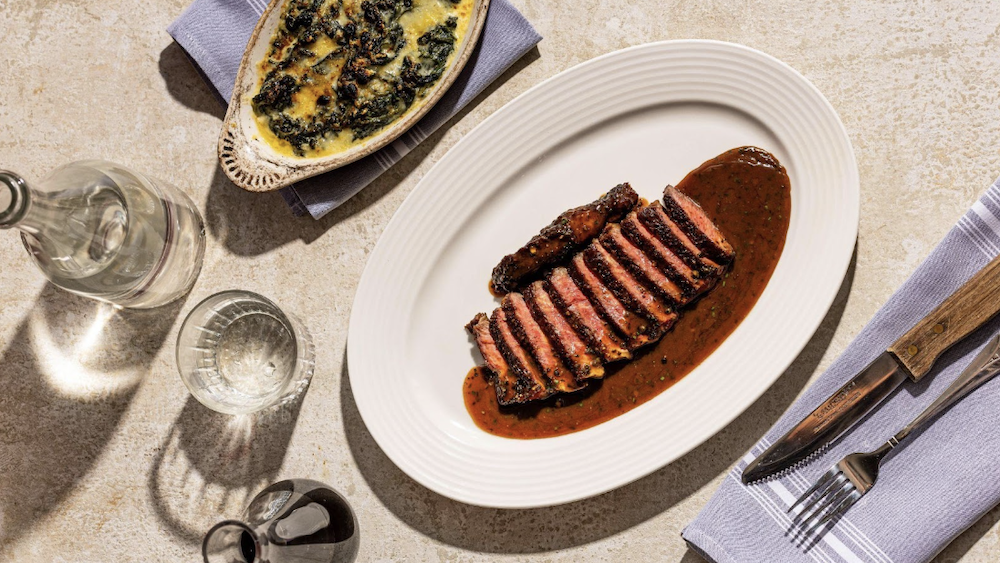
<point x="648" y="115"/>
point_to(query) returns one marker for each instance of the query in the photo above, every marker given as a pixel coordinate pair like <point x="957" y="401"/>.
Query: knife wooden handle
<point x="961" y="313"/>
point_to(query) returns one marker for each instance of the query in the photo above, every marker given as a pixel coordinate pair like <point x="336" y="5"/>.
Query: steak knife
<point x="911" y="357"/>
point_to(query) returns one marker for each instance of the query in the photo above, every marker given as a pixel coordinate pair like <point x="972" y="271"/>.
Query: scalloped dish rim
<point x="254" y="165"/>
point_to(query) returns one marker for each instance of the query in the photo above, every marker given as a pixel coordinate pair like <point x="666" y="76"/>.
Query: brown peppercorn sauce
<point x="748" y="195"/>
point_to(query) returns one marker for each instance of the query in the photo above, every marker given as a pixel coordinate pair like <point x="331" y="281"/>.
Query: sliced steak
<point x="531" y="383"/>
<point x="671" y="235"/>
<point x="636" y="329"/>
<point x="641" y="266"/>
<point x="629" y="290"/>
<point x="498" y="372"/>
<point x="570" y="232"/>
<point x="530" y="335"/>
<point x="573" y="350"/>
<point x="697" y="226"/>
<point x="582" y="316"/>
<point x="688" y="280"/>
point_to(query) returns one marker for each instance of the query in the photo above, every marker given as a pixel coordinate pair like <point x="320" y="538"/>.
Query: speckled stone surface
<point x="103" y="455"/>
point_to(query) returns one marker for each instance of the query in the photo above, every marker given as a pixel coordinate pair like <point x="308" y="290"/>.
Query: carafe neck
<point x="15" y="201"/>
<point x="24" y="207"/>
<point x="233" y="541"/>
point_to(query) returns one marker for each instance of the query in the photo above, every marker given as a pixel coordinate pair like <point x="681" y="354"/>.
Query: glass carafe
<point x="293" y="521"/>
<point x="104" y="231"/>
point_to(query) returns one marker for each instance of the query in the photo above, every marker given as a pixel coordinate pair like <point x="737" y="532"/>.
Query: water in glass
<point x="238" y="353"/>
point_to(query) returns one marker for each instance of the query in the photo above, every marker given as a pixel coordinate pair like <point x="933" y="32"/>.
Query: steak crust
<point x="583" y="317"/>
<point x="568" y="233"/>
<point x="574" y="351"/>
<point x="671" y="235"/>
<point x="697" y="226"/>
<point x="531" y="384"/>
<point x="669" y="263"/>
<point x="533" y="339"/>
<point x="641" y="265"/>
<point x="636" y="297"/>
<point x="633" y="327"/>
<point x="497" y="370"/>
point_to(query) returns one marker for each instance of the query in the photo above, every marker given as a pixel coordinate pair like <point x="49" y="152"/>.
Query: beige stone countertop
<point x="104" y="457"/>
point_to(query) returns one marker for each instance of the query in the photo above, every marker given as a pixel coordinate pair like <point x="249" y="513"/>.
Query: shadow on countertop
<point x="211" y="465"/>
<point x="691" y="557"/>
<point x="68" y="376"/>
<point x="561" y="527"/>
<point x="250" y="224"/>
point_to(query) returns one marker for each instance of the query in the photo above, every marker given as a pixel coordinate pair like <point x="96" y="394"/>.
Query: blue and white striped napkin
<point x="215" y="33"/>
<point x="940" y="482"/>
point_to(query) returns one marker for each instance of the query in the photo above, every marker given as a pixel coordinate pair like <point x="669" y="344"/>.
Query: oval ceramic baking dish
<point x="254" y="163"/>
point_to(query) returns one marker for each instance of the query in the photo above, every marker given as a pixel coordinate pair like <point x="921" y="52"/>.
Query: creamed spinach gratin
<point x="338" y="71"/>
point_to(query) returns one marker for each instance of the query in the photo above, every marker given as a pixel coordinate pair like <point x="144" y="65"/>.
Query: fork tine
<point x="820" y="502"/>
<point x="813" y="534"/>
<point x="830" y="507"/>
<point x="831" y="485"/>
<point x="841" y="508"/>
<point x="822" y="483"/>
<point x="802" y="522"/>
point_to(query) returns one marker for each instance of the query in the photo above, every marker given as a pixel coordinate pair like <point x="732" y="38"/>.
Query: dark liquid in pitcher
<point x="306" y="521"/>
<point x="248" y="547"/>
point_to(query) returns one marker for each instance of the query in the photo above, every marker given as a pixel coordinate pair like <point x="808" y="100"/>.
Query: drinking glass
<point x="237" y="352"/>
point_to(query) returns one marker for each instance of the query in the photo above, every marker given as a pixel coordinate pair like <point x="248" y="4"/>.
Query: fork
<point x="850" y="478"/>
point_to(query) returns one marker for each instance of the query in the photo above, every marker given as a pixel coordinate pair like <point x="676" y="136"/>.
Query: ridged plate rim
<point x="538" y="473"/>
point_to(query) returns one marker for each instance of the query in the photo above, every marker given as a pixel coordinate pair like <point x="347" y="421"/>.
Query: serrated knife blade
<point x="911" y="357"/>
<point x="834" y="416"/>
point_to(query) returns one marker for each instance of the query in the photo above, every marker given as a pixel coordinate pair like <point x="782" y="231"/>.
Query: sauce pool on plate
<point x="747" y="194"/>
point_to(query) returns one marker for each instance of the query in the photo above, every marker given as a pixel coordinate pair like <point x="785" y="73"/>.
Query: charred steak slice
<point x="697" y="226"/>
<point x="628" y="290"/>
<point x="671" y="235"/>
<point x="575" y="353"/>
<point x="531" y="337"/>
<point x="531" y="383"/>
<point x="498" y="372"/>
<point x="583" y="317"/>
<point x="568" y="233"/>
<point x="641" y="265"/>
<point x="635" y="328"/>
<point x="668" y="262"/>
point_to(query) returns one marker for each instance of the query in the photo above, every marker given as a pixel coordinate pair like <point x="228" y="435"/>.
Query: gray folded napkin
<point x="937" y="484"/>
<point x="215" y="33"/>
